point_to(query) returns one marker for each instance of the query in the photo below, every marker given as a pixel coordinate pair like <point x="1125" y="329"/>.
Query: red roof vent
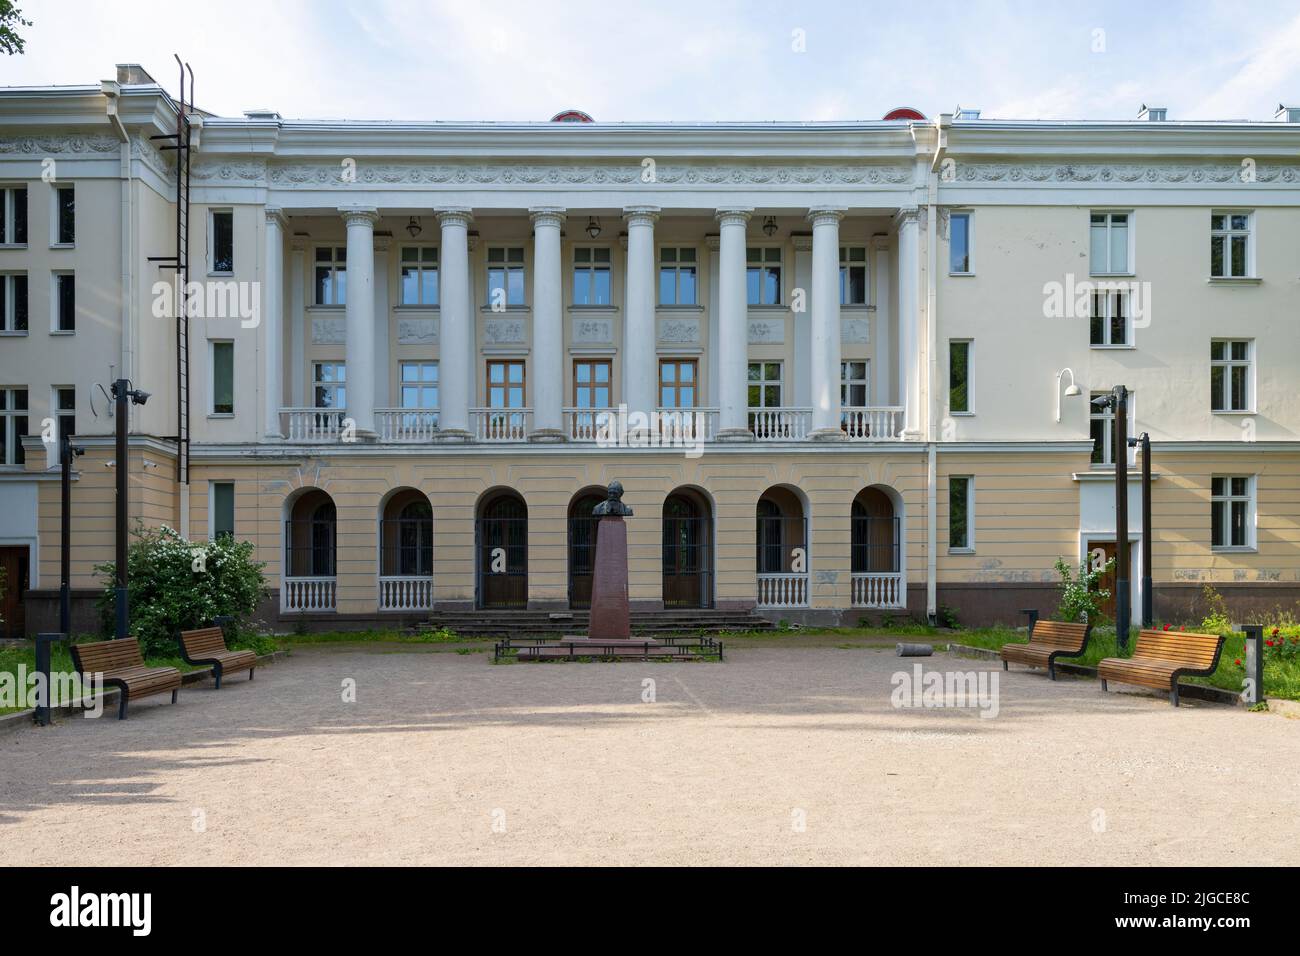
<point x="904" y="113"/>
<point x="572" y="116"/>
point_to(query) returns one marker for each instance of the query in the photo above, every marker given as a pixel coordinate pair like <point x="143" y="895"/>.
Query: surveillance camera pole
<point x="1143" y="441"/>
<point x="120" y="389"/>
<point x="1123" y="599"/>
<point x="66" y="453"/>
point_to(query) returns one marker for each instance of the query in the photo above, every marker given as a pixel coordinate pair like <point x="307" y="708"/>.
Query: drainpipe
<point x="932" y="369"/>
<point x="112" y="91"/>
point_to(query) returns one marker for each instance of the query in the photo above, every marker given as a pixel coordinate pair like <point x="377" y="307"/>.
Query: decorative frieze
<point x="328" y="330"/>
<point x="679" y="331"/>
<point x="1164" y="172"/>
<point x="766" y="331"/>
<point x="413" y="331"/>
<point x="855" y="331"/>
<point x="503" y="332"/>
<point x="588" y="331"/>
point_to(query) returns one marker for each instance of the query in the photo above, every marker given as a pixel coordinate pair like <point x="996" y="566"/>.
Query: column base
<point x="365" y="435"/>
<point x="911" y="434"/>
<point x="548" y="435"/>
<point x="452" y="436"/>
<point x="734" y="435"/>
<point x="827" y="434"/>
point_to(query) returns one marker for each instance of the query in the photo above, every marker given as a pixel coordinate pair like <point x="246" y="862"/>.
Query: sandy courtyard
<point x="783" y="755"/>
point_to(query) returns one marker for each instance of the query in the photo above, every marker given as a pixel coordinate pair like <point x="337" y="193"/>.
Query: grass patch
<point x="386" y="636"/>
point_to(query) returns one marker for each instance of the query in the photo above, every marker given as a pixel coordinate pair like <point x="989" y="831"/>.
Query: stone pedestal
<point x="610" y="616"/>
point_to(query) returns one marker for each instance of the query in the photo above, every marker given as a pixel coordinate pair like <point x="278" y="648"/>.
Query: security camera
<point x="140" y="396"/>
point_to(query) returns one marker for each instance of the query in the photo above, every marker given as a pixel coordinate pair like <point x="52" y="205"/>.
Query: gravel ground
<point x="782" y="755"/>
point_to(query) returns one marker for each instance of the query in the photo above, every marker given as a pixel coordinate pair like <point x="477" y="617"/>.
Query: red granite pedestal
<point x="611" y="618"/>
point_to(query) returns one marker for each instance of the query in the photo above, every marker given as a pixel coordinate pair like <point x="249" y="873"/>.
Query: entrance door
<point x="1106" y="582"/>
<point x="687" y="553"/>
<point x="582" y="550"/>
<point x="502" y="533"/>
<point x="14" y="562"/>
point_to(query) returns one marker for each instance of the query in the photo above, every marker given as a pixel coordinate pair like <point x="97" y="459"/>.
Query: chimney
<point x="133" y="74"/>
<point x="966" y="113"/>
<point x="1287" y="114"/>
<point x="262" y="114"/>
<point x="1153" y="114"/>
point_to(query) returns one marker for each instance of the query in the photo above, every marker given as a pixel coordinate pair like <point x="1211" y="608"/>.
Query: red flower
<point x="1275" y="632"/>
<point x="1268" y="643"/>
<point x="1237" y="662"/>
<point x="1166" y="627"/>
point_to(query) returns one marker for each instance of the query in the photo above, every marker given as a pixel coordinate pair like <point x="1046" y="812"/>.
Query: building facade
<point x="841" y="369"/>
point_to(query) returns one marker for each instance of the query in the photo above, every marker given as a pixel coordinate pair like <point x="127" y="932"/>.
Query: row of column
<point x="640" y="385"/>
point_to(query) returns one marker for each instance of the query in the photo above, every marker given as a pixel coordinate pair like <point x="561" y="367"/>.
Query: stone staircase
<point x="539" y="625"/>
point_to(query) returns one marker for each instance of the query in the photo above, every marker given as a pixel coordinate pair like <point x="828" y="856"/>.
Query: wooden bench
<point x="122" y="666"/>
<point x="208" y="646"/>
<point x="1048" y="640"/>
<point x="1161" y="657"/>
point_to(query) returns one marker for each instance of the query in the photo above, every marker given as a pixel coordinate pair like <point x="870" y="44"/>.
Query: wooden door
<point x="1106" y="582"/>
<point x="14" y="562"/>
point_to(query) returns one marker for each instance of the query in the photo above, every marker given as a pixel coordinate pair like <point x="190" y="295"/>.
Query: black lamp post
<point x="67" y="451"/>
<point x="1143" y="441"/>
<point x="1117" y="401"/>
<point x="122" y="393"/>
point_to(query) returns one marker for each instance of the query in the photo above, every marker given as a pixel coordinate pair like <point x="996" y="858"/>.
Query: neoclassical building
<point x="841" y="369"/>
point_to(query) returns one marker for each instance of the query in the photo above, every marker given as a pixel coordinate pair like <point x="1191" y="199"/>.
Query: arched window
<point x="323" y="522"/>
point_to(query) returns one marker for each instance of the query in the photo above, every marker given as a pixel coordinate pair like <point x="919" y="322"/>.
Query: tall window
<point x="505" y="384"/>
<point x="419" y="275"/>
<point x="1230" y="375"/>
<point x="854" y="383"/>
<point x="1230" y="237"/>
<point x="13" y="302"/>
<point x="1109" y="319"/>
<point x="853" y="275"/>
<point x="763" y="275"/>
<point x="419" y="384"/>
<point x="960" y="512"/>
<point x="591" y="383"/>
<point x="331" y="275"/>
<point x="223" y="378"/>
<point x="591" y="285"/>
<point x="765" y="385"/>
<point x="223" y="510"/>
<point x="677" y="383"/>
<point x="65" y="302"/>
<point x="1101" y="425"/>
<point x="65" y="215"/>
<point x="959" y="376"/>
<point x="13" y="424"/>
<point x="959" y="243"/>
<point x="1109" y="244"/>
<point x="221" y="223"/>
<point x="329" y="385"/>
<point x="13" y="215"/>
<point x="1232" y="506"/>
<point x="677" y="276"/>
<point x="505" y="276"/>
<point x="65" y="412"/>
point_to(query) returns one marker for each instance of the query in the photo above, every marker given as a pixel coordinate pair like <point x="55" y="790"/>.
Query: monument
<point x="610" y="616"/>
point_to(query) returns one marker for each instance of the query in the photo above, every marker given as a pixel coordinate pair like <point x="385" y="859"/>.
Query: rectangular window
<point x="65" y="215"/>
<point x="13" y="302"/>
<point x="1101" y="426"/>
<point x="677" y="383"/>
<point x="959" y="376"/>
<point x="591" y="383"/>
<point x="1109" y="319"/>
<point x="1232" y="511"/>
<point x="1230" y="239"/>
<point x="331" y="275"/>
<point x="853" y="275"/>
<point x="959" y="243"/>
<point x="961" y="511"/>
<point x="591" y="277"/>
<point x="65" y="302"/>
<point x="677" y="276"/>
<point x="419" y="384"/>
<point x="419" y="275"/>
<point x="13" y="215"/>
<point x="1230" y="389"/>
<point x="763" y="275"/>
<point x="1109" y="244"/>
<point x="765" y="384"/>
<point x="65" y="410"/>
<point x="223" y="509"/>
<point x="221" y="222"/>
<point x="13" y="424"/>
<point x="506" y="387"/>
<point x="329" y="385"/>
<point x="505" y="276"/>
<point x="854" y="383"/>
<point x="223" y="378"/>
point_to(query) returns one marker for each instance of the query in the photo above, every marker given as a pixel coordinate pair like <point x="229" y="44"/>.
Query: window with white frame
<point x="853" y="275"/>
<point x="959" y="243"/>
<point x="677" y="276"/>
<point x="961" y="513"/>
<point x="591" y="275"/>
<point x="65" y="415"/>
<point x="223" y="378"/>
<point x="506" y="276"/>
<point x="763" y="275"/>
<point x="1101" y="425"/>
<point x="419" y="275"/>
<point x="959" y="355"/>
<point x="1109" y="247"/>
<point x="1230" y="361"/>
<point x="1232" y="511"/>
<point x="221" y="232"/>
<point x="65" y="302"/>
<point x="329" y="385"/>
<point x="331" y="275"/>
<point x="13" y="215"/>
<point x="855" y="381"/>
<point x="13" y="302"/>
<point x="13" y="425"/>
<point x="65" y="216"/>
<point x="1230" y="245"/>
<point x="1109" y="321"/>
<point x="419" y="384"/>
<point x="222" y="509"/>
<point x="765" y="384"/>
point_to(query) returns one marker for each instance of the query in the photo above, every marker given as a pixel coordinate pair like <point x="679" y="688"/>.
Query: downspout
<point x="932" y="373"/>
<point x="112" y="90"/>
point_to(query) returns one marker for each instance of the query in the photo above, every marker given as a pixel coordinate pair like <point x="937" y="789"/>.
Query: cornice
<point x="59" y="144"/>
<point x="1110" y="173"/>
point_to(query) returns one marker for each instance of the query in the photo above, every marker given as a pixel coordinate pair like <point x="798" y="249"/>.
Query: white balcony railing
<point x="783" y="590"/>
<point x="872" y="423"/>
<point x="780" y="424"/>
<point x="587" y="424"/>
<point x="405" y="593"/>
<point x="687" y="425"/>
<point x="501" y="424"/>
<point x="309" y="594"/>
<point x="406" y="424"/>
<point x="312" y="424"/>
<point x="877" y="589"/>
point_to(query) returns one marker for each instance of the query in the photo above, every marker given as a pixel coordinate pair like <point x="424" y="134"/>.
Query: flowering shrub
<point x="1282" y="644"/>
<point x="1080" y="597"/>
<point x="177" y="585"/>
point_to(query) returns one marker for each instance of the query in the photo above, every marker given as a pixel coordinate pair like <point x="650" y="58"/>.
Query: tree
<point x="10" y="19"/>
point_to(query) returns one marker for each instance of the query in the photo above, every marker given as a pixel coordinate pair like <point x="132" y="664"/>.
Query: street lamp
<point x="1143" y="441"/>
<point x="67" y="451"/>
<point x="122" y="394"/>
<point x="1072" y="391"/>
<point x="1117" y="401"/>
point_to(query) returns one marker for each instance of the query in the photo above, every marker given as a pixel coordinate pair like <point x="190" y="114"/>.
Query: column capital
<point x="641" y="215"/>
<point x="359" y="215"/>
<point x="547" y="215"/>
<point x="823" y="215"/>
<point x="275" y="216"/>
<point x="907" y="216"/>
<point x="454" y="216"/>
<point x="733" y="215"/>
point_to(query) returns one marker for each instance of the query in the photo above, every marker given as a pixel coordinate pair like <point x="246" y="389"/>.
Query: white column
<point x="455" y="326"/>
<point x="297" y="323"/>
<point x="360" y="315"/>
<point x="882" y="323"/>
<point x="639" y="386"/>
<point x="383" y="319"/>
<point x="825" y="325"/>
<point x="733" y="327"/>
<point x="909" y="321"/>
<point x="713" y="243"/>
<point x="548" y="326"/>
<point x="273" y="322"/>
<point x="802" y="391"/>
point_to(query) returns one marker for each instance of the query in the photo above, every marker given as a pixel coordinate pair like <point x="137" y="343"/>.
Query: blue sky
<point x="665" y="60"/>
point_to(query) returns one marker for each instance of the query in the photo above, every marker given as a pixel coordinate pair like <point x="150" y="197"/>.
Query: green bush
<point x="176" y="585"/>
<point x="1080" y="596"/>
